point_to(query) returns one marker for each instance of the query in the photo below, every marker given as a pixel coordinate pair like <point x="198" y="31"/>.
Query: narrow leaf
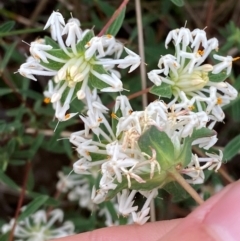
<point x="179" y="3"/>
<point x="8" y="181"/>
<point x="161" y="143"/>
<point x="96" y="82"/>
<point x="50" y="41"/>
<point x="186" y="151"/>
<point x="53" y="65"/>
<point x="217" y="77"/>
<point x="163" y="90"/>
<point x="7" y="56"/>
<point x="117" y="23"/>
<point x="232" y="148"/>
<point x="33" y="207"/>
<point x="6" y="27"/>
<point x="81" y="45"/>
<point x="5" y="91"/>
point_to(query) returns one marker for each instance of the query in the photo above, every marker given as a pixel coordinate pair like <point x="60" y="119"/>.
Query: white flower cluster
<point x="83" y="58"/>
<point x="77" y="188"/>
<point x="86" y="62"/>
<point x="122" y="157"/>
<point x="40" y="226"/>
<point x="193" y="83"/>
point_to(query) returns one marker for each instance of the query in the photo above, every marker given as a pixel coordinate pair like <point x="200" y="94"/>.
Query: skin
<point x="218" y="219"/>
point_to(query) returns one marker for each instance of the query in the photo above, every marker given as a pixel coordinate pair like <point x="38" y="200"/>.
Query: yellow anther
<point x="114" y="116"/>
<point x="36" y="56"/>
<point x="191" y="107"/>
<point x="130" y="112"/>
<point x="109" y="36"/>
<point x="237" y="58"/>
<point x="201" y="52"/>
<point x="46" y="100"/>
<point x="67" y="116"/>
<point x="219" y="101"/>
<point x="87" y="153"/>
<point x="88" y="44"/>
<point x="99" y="119"/>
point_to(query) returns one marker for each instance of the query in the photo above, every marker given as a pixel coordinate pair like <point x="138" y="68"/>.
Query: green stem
<point x="191" y="191"/>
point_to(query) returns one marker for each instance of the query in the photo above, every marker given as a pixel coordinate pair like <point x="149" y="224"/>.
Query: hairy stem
<point x="192" y="192"/>
<point x="141" y="51"/>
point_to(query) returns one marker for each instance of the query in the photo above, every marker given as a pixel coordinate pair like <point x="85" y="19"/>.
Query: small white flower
<point x="141" y="216"/>
<point x="200" y="38"/>
<point x="125" y="202"/>
<point x="170" y="63"/>
<point x="132" y="60"/>
<point x="40" y="226"/>
<point x="225" y="64"/>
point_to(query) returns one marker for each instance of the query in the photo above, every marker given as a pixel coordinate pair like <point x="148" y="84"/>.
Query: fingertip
<point x="217" y="219"/>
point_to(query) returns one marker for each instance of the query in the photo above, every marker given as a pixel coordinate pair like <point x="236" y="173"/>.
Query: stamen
<point x="130" y="112"/>
<point x="47" y="100"/>
<point x="201" y="52"/>
<point x="234" y="59"/>
<point x="191" y="107"/>
<point x="114" y="116"/>
<point x="219" y="101"/>
<point x="67" y="116"/>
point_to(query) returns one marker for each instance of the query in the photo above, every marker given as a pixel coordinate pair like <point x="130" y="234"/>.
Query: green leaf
<point x="50" y="41"/>
<point x="5" y="237"/>
<point x="232" y="148"/>
<point x="11" y="145"/>
<point x="66" y="91"/>
<point x="50" y="201"/>
<point x="179" y="3"/>
<point x="53" y="65"/>
<point x="36" y="144"/>
<point x="163" y="90"/>
<point x="96" y="82"/>
<point x="161" y="143"/>
<point x="81" y="45"/>
<point x="117" y="23"/>
<point x="33" y="207"/>
<point x="7" y="56"/>
<point x="30" y="181"/>
<point x="217" y="77"/>
<point x="178" y="192"/>
<point x="6" y="27"/>
<point x="8" y="181"/>
<point x="5" y="91"/>
<point x="166" y="155"/>
<point x="186" y="151"/>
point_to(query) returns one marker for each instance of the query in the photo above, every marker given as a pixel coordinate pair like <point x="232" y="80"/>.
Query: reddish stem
<point x="114" y="16"/>
<point x="20" y="200"/>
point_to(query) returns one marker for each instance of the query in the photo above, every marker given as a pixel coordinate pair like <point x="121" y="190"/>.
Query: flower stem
<point x="190" y="190"/>
<point x="114" y="16"/>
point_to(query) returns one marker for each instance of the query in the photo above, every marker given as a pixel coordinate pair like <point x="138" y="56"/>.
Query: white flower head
<point x="40" y="226"/>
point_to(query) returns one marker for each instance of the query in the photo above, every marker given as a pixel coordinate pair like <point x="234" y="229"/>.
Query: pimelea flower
<point x="193" y="84"/>
<point x="77" y="63"/>
<point x="119" y="156"/>
<point x="41" y="227"/>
